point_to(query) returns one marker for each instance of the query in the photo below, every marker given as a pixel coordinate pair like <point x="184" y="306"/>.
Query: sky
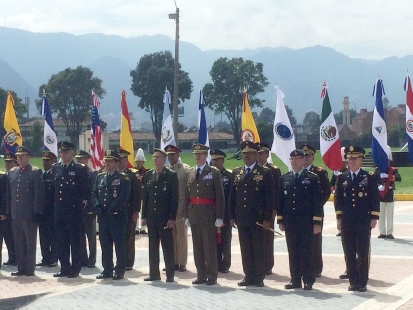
<point x="370" y="29"/>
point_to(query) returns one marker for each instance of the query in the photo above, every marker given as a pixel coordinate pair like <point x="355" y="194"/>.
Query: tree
<point x="266" y="116"/>
<point x="292" y="118"/>
<point x="396" y="136"/>
<point x="35" y="144"/>
<point x="181" y="127"/>
<point x="225" y="93"/>
<point x="266" y="132"/>
<point x="153" y="73"/>
<point x="69" y="96"/>
<point x="19" y="107"/>
<point x="311" y="122"/>
<point x="339" y="116"/>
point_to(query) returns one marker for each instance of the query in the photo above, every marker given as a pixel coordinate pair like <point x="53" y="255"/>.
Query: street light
<point x="175" y="16"/>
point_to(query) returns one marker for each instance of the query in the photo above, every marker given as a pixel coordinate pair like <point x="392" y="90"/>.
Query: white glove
<point x="219" y="222"/>
<point x="336" y="172"/>
<point x="381" y="188"/>
<point x="384" y="175"/>
<point x="187" y="223"/>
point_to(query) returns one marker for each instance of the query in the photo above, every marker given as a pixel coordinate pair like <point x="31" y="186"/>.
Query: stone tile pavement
<point x="390" y="285"/>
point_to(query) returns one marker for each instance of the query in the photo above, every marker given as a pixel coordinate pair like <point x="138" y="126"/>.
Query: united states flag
<point x="96" y="149"/>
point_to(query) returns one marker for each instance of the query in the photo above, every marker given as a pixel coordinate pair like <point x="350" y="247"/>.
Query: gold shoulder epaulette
<point x="371" y="173"/>
<point x="310" y="172"/>
<point x="228" y="170"/>
<point x="100" y="173"/>
<point x="133" y="170"/>
<point x="213" y="167"/>
<point x="320" y="168"/>
<point x="12" y="169"/>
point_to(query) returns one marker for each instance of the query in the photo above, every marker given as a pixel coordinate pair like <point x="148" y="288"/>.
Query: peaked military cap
<point x="249" y="146"/>
<point x="160" y="151"/>
<point x="199" y="148"/>
<point x="112" y="155"/>
<point x="263" y="147"/>
<point x="22" y="150"/>
<point x="9" y="156"/>
<point x="49" y="155"/>
<point x="308" y="149"/>
<point x="172" y="149"/>
<point x="297" y="153"/>
<point x="122" y="153"/>
<point x="353" y="152"/>
<point x="65" y="146"/>
<point x="81" y="153"/>
<point x="215" y="154"/>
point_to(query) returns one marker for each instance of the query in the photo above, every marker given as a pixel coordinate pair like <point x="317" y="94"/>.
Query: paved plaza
<point x="390" y="285"/>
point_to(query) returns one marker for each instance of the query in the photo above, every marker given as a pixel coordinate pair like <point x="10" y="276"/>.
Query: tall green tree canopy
<point x="311" y="122"/>
<point x="69" y="94"/>
<point x="225" y="93"/>
<point x="292" y="118"/>
<point x="19" y="107"/>
<point x="153" y="73"/>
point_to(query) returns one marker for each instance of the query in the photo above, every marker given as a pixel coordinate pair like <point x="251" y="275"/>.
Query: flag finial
<point x="166" y="87"/>
<point x="44" y="92"/>
<point x="245" y="89"/>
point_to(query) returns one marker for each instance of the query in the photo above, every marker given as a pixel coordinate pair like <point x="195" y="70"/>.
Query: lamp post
<point x="175" y="16"/>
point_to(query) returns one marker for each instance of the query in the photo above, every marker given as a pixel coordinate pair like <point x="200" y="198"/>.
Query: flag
<point x="330" y="147"/>
<point x="379" y="130"/>
<point x="167" y="134"/>
<point x="409" y="115"/>
<point x="284" y="140"/>
<point x="12" y="136"/>
<point x="126" y="139"/>
<point x="203" y="129"/>
<point x="49" y="135"/>
<point x="248" y="129"/>
<point x="96" y="143"/>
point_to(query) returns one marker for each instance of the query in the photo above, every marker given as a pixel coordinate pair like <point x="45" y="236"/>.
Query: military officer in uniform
<point x="133" y="205"/>
<point x="300" y="216"/>
<point x="180" y="231"/>
<point x="110" y="197"/>
<point x="140" y="161"/>
<point x="326" y="191"/>
<point x="160" y="204"/>
<point x="205" y="212"/>
<point x="71" y="196"/>
<point x="263" y="154"/>
<point x="25" y="205"/>
<point x="357" y="205"/>
<point x="224" y="246"/>
<point x="88" y="215"/>
<point x="251" y="202"/>
<point x="47" y="232"/>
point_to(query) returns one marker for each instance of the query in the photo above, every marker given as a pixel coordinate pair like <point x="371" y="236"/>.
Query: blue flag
<point x="49" y="135"/>
<point x="203" y="129"/>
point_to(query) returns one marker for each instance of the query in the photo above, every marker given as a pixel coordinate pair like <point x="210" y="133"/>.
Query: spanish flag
<point x="126" y="139"/>
<point x="249" y="130"/>
<point x="12" y="135"/>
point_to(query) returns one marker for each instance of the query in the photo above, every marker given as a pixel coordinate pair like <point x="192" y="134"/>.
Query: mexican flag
<point x="329" y="140"/>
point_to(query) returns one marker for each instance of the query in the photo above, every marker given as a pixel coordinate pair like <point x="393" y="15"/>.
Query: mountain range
<point x="29" y="59"/>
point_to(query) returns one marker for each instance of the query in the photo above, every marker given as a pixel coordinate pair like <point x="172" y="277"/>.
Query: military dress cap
<point x="172" y="149"/>
<point x="215" y="154"/>
<point x="297" y="153"/>
<point x="248" y="146"/>
<point x="9" y="156"/>
<point x="112" y="155"/>
<point x="49" y="155"/>
<point x="308" y="149"/>
<point x="263" y="147"/>
<point x="353" y="151"/>
<point x="65" y="146"/>
<point x="140" y="156"/>
<point x="199" y="148"/>
<point x="22" y="150"/>
<point x="160" y="151"/>
<point x="81" y="153"/>
<point x="122" y="153"/>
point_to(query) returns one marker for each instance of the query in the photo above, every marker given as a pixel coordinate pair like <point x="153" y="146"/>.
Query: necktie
<point x="354" y="176"/>
<point x="198" y="171"/>
<point x="296" y="176"/>
<point x="248" y="171"/>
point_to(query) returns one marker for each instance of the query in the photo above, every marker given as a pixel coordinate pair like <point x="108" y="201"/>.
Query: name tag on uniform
<point x="116" y="182"/>
<point x="207" y="177"/>
<point x="72" y="173"/>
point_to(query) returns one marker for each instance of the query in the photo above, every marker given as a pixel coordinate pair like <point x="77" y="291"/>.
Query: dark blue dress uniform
<point x="110" y="196"/>
<point x="5" y="225"/>
<point x="299" y="208"/>
<point x="160" y="204"/>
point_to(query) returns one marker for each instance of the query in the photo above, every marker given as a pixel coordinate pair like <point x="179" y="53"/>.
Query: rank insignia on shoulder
<point x="241" y="171"/>
<point x="371" y="173"/>
<point x="320" y="168"/>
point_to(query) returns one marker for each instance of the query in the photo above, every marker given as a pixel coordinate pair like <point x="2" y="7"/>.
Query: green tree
<point x="292" y="118"/>
<point x="19" y="107"/>
<point x="266" y="116"/>
<point x="153" y="73"/>
<point x="181" y="127"/>
<point x="396" y="136"/>
<point x="311" y="122"/>
<point x="69" y="96"/>
<point x="35" y="144"/>
<point x="265" y="131"/>
<point x="225" y="93"/>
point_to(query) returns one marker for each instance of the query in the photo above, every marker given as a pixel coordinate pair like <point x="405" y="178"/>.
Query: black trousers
<point x="48" y="240"/>
<point x="25" y="238"/>
<point x="300" y="239"/>
<point x="251" y="240"/>
<point x="269" y="248"/>
<point x="89" y="232"/>
<point x="159" y="234"/>
<point x="318" y="251"/>
<point x="130" y="241"/>
<point x="224" y="248"/>
<point x="69" y="232"/>
<point x="112" y="231"/>
<point x="6" y="232"/>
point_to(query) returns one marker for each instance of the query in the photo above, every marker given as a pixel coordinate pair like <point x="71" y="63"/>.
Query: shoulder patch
<point x="371" y="173"/>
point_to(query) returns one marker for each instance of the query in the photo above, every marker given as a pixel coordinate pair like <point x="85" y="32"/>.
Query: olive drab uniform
<point x="5" y="225"/>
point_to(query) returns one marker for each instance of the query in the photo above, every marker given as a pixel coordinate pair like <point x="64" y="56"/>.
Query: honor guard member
<point x="133" y="205"/>
<point x="205" y="212"/>
<point x="326" y="191"/>
<point x="263" y="154"/>
<point x="88" y="215"/>
<point x="180" y="231"/>
<point x="140" y="161"/>
<point x="357" y="205"/>
<point x="251" y="203"/>
<point x="25" y="205"/>
<point x="71" y="196"/>
<point x="6" y="231"/>
<point x="224" y="246"/>
<point x="110" y="198"/>
<point x="300" y="216"/>
<point x="47" y="231"/>
<point x="160" y="204"/>
<point x="386" y="191"/>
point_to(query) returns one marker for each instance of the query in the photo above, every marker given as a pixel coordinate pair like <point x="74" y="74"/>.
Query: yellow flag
<point x="126" y="139"/>
<point x="249" y="130"/>
<point x="12" y="135"/>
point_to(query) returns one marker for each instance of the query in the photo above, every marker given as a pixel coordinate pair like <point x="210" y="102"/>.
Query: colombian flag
<point x="12" y="135"/>
<point x="126" y="139"/>
<point x="249" y="130"/>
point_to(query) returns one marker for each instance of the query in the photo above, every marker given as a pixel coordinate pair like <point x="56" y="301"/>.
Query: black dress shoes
<point x="182" y="268"/>
<point x="390" y="236"/>
<point x="60" y="274"/>
<point x="259" y="284"/>
<point x="292" y="285"/>
<point x="118" y="276"/>
<point x="223" y="270"/>
<point x="381" y="236"/>
<point x="18" y="273"/>
<point x="170" y="279"/>
<point x="352" y="288"/>
<point x="343" y="276"/>
<point x="211" y="282"/>
<point x="72" y="275"/>
<point x="152" y="279"/>
<point x="308" y="287"/>
<point x="362" y="289"/>
<point x="244" y="283"/>
<point x="199" y="281"/>
<point x="104" y="276"/>
<point x="30" y="274"/>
